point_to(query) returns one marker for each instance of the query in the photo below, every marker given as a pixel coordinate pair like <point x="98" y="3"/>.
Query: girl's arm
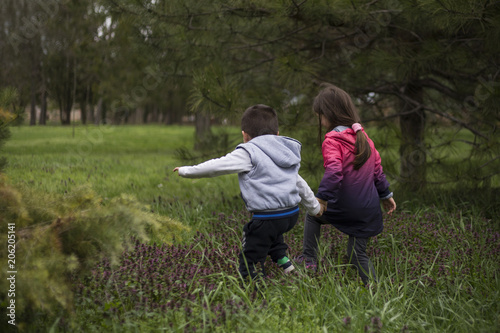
<point x="234" y="162"/>
<point x="379" y="179"/>
<point x="382" y="186"/>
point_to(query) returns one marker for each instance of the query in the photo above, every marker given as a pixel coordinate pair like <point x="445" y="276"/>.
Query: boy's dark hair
<point x="259" y="120"/>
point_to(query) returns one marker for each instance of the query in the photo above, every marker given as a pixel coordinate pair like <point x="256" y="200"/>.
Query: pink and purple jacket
<point x="353" y="195"/>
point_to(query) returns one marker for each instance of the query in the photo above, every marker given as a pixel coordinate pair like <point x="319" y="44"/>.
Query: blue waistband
<point x="277" y="214"/>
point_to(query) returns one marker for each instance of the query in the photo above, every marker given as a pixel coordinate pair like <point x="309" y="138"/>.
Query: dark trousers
<point x="356" y="248"/>
<point x="262" y="238"/>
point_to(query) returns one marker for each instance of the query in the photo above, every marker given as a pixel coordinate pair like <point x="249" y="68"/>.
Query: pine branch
<point x="212" y="101"/>
<point x="394" y="115"/>
<point x="418" y="106"/>
<point x="431" y="83"/>
<point x="297" y="5"/>
<point x="490" y="161"/>
<point x="465" y="76"/>
<point x="251" y="12"/>
<point x="291" y="33"/>
<point x="447" y="116"/>
<point x="253" y="66"/>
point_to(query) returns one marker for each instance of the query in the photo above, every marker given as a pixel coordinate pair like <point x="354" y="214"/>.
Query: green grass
<point x="124" y="159"/>
<point x="434" y="276"/>
<point x="437" y="264"/>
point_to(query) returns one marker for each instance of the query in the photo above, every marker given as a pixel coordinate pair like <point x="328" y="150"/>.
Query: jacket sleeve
<point x="307" y="196"/>
<point x="235" y="162"/>
<point x="333" y="158"/>
<point x="381" y="183"/>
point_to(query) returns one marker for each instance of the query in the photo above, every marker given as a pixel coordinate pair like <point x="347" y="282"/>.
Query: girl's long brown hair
<point x="337" y="107"/>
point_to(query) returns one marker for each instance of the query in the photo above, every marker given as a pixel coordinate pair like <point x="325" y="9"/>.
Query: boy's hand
<point x="176" y="169"/>
<point x="322" y="202"/>
<point x="323" y="205"/>
<point x="389" y="205"/>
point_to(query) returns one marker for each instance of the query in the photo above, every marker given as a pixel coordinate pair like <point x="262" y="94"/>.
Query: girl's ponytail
<point x="363" y="150"/>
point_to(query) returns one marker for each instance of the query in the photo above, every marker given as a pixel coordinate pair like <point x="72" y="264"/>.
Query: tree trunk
<point x="35" y="75"/>
<point x="166" y="117"/>
<point x="60" y="104"/>
<point x="43" y="110"/>
<point x="33" y="103"/>
<point x="42" y="120"/>
<point x="67" y="94"/>
<point x="155" y="114"/>
<point x="67" y="113"/>
<point x="103" y="113"/>
<point x="170" y="102"/>
<point x="412" y="148"/>
<point x="145" y="114"/>
<point x="98" y="115"/>
<point x="203" y="132"/>
<point x="90" y="103"/>
<point x="83" y="107"/>
<point x="83" y="111"/>
<point x="126" y="116"/>
<point x="65" y="105"/>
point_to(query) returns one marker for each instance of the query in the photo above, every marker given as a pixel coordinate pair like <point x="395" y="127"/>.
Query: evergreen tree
<point x="419" y="62"/>
<point x="60" y="237"/>
<point x="431" y="61"/>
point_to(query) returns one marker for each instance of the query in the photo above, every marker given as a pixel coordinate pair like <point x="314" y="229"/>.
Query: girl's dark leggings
<point x="356" y="248"/>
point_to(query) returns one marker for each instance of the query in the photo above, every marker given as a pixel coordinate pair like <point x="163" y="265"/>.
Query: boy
<point x="267" y="166"/>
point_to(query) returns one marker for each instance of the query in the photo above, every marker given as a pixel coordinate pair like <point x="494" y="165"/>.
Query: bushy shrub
<point x="60" y="237"/>
<point x="8" y="96"/>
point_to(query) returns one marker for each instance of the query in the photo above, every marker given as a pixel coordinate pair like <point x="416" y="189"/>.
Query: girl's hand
<point x="176" y="169"/>
<point x="389" y="205"/>
<point x="323" y="205"/>
<point x="322" y="202"/>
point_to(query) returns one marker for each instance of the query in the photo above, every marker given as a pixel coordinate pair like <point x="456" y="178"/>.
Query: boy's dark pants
<point x="356" y="248"/>
<point x="262" y="238"/>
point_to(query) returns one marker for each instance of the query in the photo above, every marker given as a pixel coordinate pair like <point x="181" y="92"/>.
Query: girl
<point x="353" y="184"/>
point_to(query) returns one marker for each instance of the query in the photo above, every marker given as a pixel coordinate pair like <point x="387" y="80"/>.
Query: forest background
<point x="424" y="75"/>
<point x="426" y="70"/>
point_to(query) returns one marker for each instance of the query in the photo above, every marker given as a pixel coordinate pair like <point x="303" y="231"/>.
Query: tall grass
<point x="437" y="266"/>
<point x="433" y="276"/>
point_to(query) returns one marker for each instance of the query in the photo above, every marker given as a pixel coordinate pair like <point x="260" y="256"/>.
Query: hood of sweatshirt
<point x="347" y="138"/>
<point x="283" y="151"/>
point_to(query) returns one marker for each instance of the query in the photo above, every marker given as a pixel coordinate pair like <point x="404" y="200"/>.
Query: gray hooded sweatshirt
<point x="271" y="184"/>
<point x="267" y="168"/>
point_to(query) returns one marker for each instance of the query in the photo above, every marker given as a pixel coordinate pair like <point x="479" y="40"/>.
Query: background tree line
<point x="426" y="71"/>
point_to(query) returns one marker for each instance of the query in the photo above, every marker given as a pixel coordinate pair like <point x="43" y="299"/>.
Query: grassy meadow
<point x="438" y="268"/>
<point x="113" y="160"/>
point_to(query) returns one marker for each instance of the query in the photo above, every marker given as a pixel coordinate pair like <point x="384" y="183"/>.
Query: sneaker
<point x="309" y="263"/>
<point x="312" y="266"/>
<point x="287" y="267"/>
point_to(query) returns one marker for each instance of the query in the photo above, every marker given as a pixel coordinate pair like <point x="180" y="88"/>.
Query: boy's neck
<point x="247" y="137"/>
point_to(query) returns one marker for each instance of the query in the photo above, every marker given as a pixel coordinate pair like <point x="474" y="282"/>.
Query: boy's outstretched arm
<point x="234" y="162"/>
